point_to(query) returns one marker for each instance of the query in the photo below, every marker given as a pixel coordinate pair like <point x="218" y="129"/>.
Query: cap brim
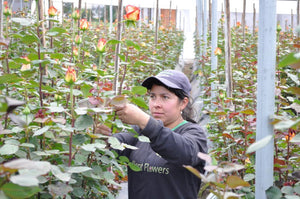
<point x="148" y="83"/>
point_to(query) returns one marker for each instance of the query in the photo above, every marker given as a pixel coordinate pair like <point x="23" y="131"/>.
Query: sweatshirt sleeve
<point x="127" y="138"/>
<point x="179" y="147"/>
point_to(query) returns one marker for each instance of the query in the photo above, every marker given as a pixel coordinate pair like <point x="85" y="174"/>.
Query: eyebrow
<point x="165" y="93"/>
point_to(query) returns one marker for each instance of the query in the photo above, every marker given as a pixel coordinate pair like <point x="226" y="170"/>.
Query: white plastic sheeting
<point x="186" y="13"/>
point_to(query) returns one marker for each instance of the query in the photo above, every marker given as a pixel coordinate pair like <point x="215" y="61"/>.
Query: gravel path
<point x="123" y="194"/>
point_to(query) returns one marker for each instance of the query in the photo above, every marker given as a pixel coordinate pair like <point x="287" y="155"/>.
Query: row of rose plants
<point x="231" y="129"/>
<point x="57" y="85"/>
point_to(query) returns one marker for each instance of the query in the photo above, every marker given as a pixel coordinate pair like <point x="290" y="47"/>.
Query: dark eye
<point x="166" y="97"/>
<point x="152" y="96"/>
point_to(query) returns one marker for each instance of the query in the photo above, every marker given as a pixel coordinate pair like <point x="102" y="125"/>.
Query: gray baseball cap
<point x="170" y="78"/>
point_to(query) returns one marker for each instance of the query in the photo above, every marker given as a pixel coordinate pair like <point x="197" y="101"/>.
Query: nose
<point x="156" y="103"/>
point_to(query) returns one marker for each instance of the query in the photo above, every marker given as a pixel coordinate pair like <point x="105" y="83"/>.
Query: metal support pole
<point x="205" y="26"/>
<point x="110" y="17"/>
<point x="199" y="22"/>
<point x="265" y="95"/>
<point x="214" y="44"/>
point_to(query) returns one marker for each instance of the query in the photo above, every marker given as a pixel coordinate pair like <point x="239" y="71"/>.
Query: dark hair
<point x="188" y="111"/>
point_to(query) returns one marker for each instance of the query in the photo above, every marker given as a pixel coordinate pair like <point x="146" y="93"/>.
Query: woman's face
<point x="165" y="106"/>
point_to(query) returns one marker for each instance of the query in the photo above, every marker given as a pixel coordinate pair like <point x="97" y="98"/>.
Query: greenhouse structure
<point x="125" y="99"/>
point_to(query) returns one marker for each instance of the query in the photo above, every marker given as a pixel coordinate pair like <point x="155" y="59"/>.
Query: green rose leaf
<point x="139" y="90"/>
<point x="134" y="167"/>
<point x="41" y="131"/>
<point x="8" y="149"/>
<point x="78" y="169"/>
<point x="235" y="181"/>
<point x="83" y="122"/>
<point x="273" y="193"/>
<point x="259" y="144"/>
<point x="19" y="192"/>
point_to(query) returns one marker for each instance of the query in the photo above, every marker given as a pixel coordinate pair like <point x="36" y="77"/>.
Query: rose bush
<point x="56" y="87"/>
<point x="232" y="129"/>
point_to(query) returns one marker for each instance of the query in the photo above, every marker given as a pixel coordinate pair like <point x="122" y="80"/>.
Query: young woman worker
<point x="175" y="140"/>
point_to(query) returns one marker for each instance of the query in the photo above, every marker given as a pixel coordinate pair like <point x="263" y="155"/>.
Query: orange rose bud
<point x="52" y="11"/>
<point x="86" y="54"/>
<point x="94" y="67"/>
<point x="84" y="24"/>
<point x="238" y="24"/>
<point x="75" y="51"/>
<point x="132" y="13"/>
<point x="26" y="66"/>
<point x="75" y="14"/>
<point x="7" y="11"/>
<point x="218" y="51"/>
<point x="291" y="134"/>
<point x="101" y="45"/>
<point x="5" y="3"/>
<point x="70" y="75"/>
<point x="78" y="39"/>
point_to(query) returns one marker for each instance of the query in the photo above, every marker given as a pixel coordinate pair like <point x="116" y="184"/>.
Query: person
<point x="175" y="140"/>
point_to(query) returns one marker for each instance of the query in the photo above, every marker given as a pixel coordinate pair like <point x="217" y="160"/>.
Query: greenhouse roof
<point x="283" y="6"/>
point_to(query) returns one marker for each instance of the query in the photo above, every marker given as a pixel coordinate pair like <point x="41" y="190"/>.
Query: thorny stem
<point x="124" y="74"/>
<point x="39" y="57"/>
<point x="100" y="61"/>
<point x="73" y="124"/>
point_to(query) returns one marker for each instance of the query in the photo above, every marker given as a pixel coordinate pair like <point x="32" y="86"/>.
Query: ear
<point x="184" y="103"/>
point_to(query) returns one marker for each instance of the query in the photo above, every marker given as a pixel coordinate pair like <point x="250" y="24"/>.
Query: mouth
<point x="156" y="114"/>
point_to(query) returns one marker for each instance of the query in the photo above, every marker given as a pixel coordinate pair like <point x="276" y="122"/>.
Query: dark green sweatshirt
<point x="162" y="174"/>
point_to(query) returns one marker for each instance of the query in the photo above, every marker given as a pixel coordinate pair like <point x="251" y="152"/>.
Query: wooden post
<point x="265" y="95"/>
<point x="156" y="22"/>
<point x="228" y="67"/>
<point x="118" y="48"/>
